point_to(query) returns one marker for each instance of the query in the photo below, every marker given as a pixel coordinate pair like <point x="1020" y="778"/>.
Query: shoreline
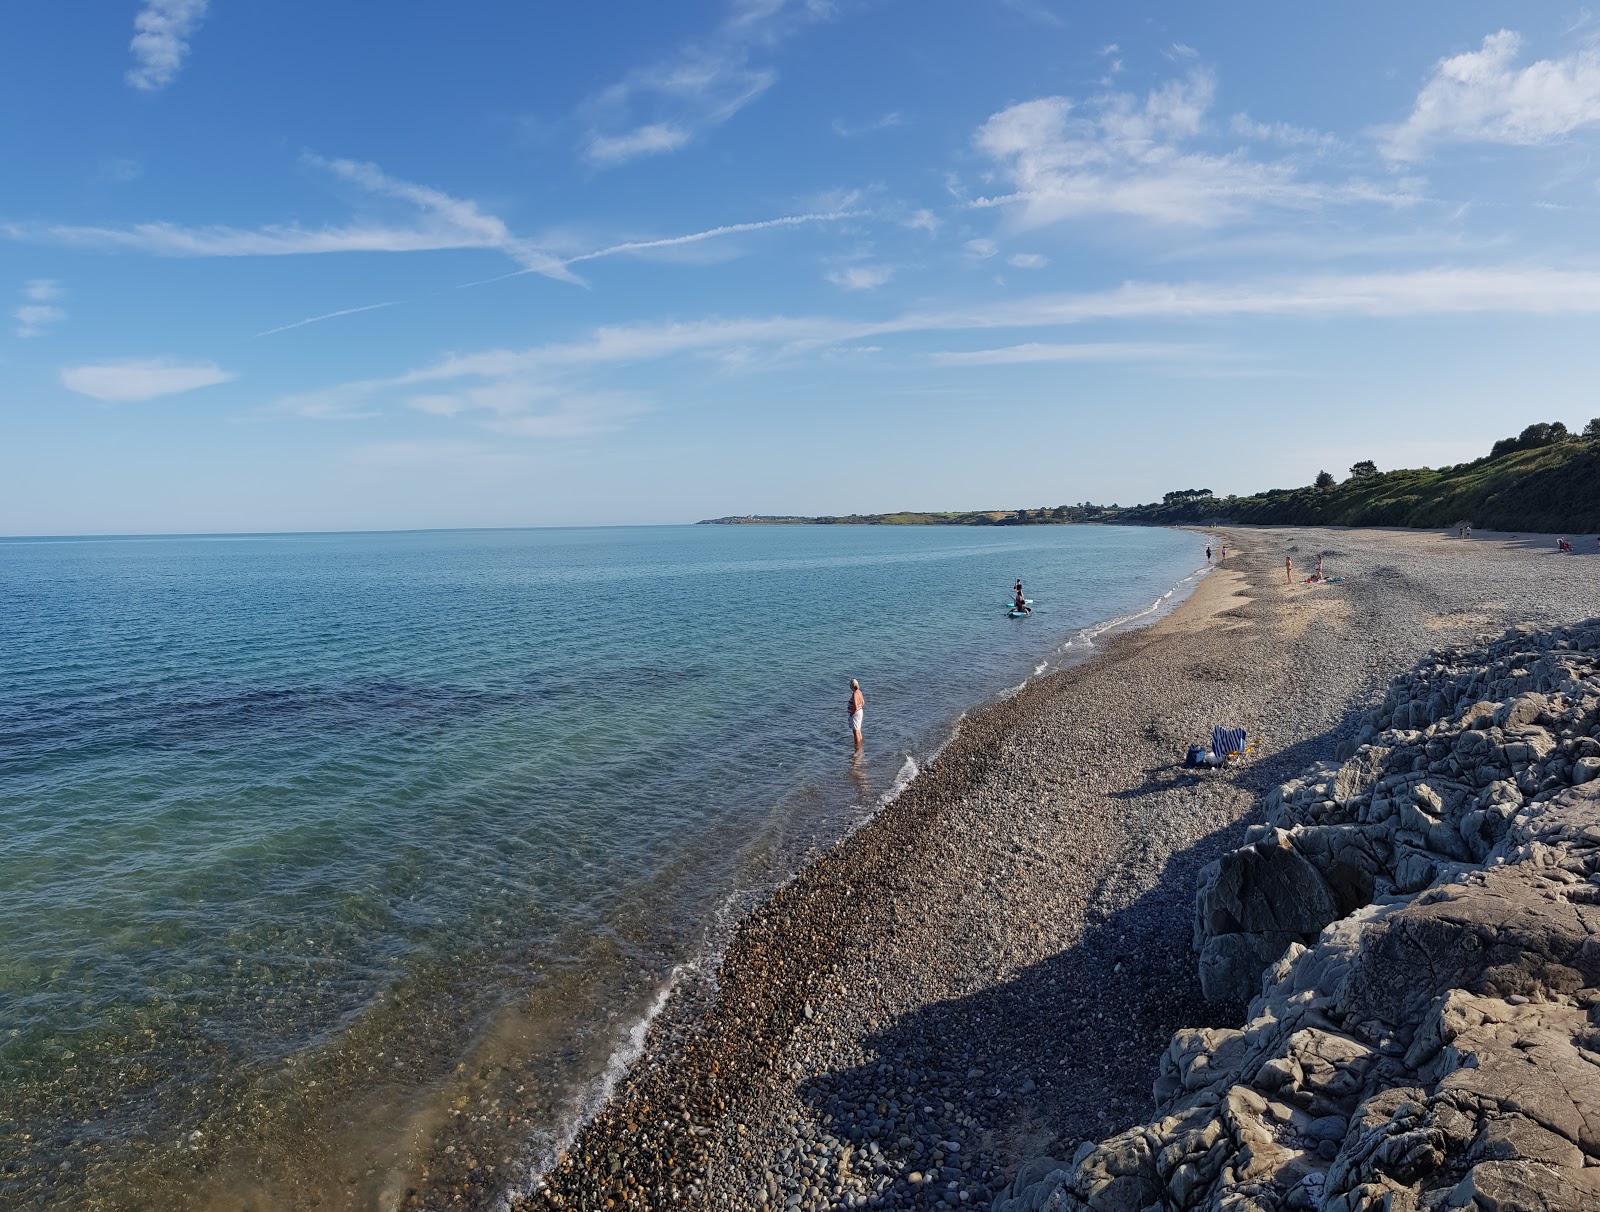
<point x="696" y="980"/>
<point x="754" y="1070"/>
<point x="691" y="1012"/>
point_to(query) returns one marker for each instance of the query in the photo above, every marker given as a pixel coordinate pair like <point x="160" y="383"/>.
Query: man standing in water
<point x="858" y="708"/>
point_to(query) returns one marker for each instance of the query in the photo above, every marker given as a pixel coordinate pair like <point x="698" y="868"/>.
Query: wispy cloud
<point x="545" y="390"/>
<point x="1103" y="351"/>
<point x="120" y="170"/>
<point x="1027" y="261"/>
<point x="331" y="315"/>
<point x="651" y="139"/>
<point x="137" y="379"/>
<point x="852" y="130"/>
<point x="710" y="233"/>
<point x="1035" y="11"/>
<point x="666" y="105"/>
<point x="1482" y="97"/>
<point x="1284" y="134"/>
<point x="161" y="40"/>
<point x="860" y="277"/>
<point x="444" y="222"/>
<point x="41" y="310"/>
<point x="447" y="222"/>
<point x="1120" y="154"/>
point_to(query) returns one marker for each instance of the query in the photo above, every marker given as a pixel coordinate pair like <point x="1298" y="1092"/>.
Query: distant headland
<point x="1546" y="479"/>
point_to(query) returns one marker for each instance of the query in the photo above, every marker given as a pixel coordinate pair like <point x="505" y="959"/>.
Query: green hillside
<point x="1543" y="480"/>
<point x="1548" y="486"/>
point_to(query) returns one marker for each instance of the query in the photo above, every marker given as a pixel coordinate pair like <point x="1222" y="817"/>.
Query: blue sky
<point x="312" y="266"/>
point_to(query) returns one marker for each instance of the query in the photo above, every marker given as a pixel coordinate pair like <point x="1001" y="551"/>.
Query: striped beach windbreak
<point x="1227" y="740"/>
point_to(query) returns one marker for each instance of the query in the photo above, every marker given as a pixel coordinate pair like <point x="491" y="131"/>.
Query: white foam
<point x="908" y="771"/>
<point x="596" y="1095"/>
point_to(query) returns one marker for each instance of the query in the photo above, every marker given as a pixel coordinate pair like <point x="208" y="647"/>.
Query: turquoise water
<point x="292" y="826"/>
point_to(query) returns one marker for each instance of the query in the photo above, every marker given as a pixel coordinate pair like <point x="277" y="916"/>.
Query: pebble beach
<point x="989" y="968"/>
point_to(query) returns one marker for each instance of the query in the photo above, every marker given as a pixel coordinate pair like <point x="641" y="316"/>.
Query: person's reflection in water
<point x="858" y="776"/>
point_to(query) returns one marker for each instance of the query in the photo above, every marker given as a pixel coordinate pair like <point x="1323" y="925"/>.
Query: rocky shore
<point x="1422" y="923"/>
<point x="988" y="971"/>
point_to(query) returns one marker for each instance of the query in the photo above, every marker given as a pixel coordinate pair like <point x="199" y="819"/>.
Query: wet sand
<point x="989" y="968"/>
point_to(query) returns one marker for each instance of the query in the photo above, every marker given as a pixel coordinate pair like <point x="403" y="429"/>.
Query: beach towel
<point x="1227" y="740"/>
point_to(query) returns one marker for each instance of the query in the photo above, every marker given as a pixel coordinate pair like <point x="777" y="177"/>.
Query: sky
<point x="299" y="266"/>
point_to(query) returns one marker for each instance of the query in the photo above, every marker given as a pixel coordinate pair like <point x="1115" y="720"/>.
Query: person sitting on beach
<point x="857" y="709"/>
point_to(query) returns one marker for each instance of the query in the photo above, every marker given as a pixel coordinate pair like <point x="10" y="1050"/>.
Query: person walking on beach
<point x="1208" y="553"/>
<point x="858" y="708"/>
<point x="1288" y="570"/>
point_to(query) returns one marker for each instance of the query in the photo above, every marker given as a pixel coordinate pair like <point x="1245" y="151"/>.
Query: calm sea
<point x="299" y="834"/>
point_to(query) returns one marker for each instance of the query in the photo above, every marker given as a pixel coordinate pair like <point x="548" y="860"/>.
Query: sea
<point x="305" y="837"/>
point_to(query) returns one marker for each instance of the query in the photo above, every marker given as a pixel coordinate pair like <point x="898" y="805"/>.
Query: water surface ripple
<point x="295" y="828"/>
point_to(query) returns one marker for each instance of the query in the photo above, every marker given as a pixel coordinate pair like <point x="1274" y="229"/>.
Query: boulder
<point x="1419" y="933"/>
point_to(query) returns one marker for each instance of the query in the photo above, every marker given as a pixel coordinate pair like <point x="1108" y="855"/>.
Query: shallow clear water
<point x="361" y="806"/>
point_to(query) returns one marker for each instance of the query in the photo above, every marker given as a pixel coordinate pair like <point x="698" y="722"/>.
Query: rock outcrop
<point x="1421" y="928"/>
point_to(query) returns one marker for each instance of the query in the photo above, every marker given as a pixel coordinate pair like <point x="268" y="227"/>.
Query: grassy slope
<point x="1553" y="488"/>
<point x="1550" y="489"/>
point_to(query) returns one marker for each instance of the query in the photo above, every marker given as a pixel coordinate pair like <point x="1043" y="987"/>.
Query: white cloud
<point x="1036" y="12"/>
<point x="1481" y="97"/>
<point x="1027" y="261"/>
<point x="1119" y="154"/>
<point x="849" y="130"/>
<point x="1285" y="134"/>
<point x="446" y="222"/>
<point x="923" y="220"/>
<point x="650" y="140"/>
<point x="532" y="390"/>
<point x="981" y="249"/>
<point x="40" y="311"/>
<point x="141" y="378"/>
<point x="713" y="233"/>
<point x="161" y="41"/>
<point x="666" y="105"/>
<point x="331" y="315"/>
<point x="574" y="416"/>
<point x="120" y="170"/>
<point x="1105" y="351"/>
<point x="860" y="277"/>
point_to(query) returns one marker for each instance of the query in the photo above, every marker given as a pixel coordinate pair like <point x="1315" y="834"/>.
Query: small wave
<point x="908" y="771"/>
<point x="1088" y="635"/>
<point x="595" y="1097"/>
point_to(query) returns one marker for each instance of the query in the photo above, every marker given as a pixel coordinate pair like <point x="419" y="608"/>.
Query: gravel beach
<point x="989" y="969"/>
